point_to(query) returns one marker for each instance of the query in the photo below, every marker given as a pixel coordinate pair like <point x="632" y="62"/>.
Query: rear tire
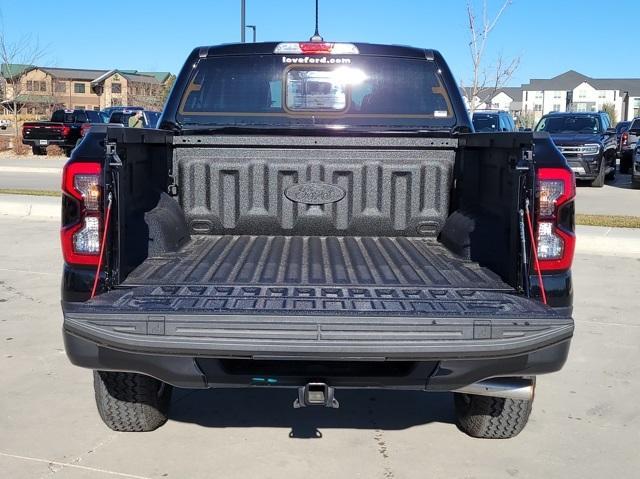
<point x="488" y="417"/>
<point x="599" y="181"/>
<point x="611" y="175"/>
<point x="131" y="402"/>
<point x="625" y="164"/>
<point x="39" y="151"/>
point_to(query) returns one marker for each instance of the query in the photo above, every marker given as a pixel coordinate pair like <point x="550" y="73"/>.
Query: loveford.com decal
<point x="329" y="60"/>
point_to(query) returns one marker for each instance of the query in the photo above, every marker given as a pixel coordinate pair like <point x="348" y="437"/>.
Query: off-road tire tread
<point x="491" y="417"/>
<point x="131" y="402"/>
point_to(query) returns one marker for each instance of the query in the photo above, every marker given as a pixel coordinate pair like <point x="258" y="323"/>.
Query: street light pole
<point x="253" y="27"/>
<point x="243" y="7"/>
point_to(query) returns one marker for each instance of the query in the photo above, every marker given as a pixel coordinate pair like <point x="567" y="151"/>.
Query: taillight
<point x="556" y="238"/>
<point x="81" y="225"/>
<point x="624" y="139"/>
<point x="66" y="130"/>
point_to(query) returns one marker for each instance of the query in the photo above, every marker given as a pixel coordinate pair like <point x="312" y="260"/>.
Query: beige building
<point x="39" y="90"/>
<point x="122" y="88"/>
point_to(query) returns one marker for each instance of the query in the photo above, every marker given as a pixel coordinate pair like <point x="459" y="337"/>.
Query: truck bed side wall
<point x="487" y="197"/>
<point x="147" y="219"/>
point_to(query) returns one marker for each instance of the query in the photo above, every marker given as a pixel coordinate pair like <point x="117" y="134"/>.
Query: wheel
<point x="131" y="402"/>
<point x="38" y="150"/>
<point x="491" y="417"/>
<point x="611" y="175"/>
<point x="67" y="152"/>
<point x="625" y="164"/>
<point x="599" y="181"/>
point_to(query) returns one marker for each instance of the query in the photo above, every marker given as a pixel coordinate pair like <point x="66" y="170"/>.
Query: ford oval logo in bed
<point x="314" y="193"/>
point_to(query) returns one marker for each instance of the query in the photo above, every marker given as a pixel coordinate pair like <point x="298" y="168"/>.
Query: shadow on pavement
<point x="620" y="181"/>
<point x="263" y="407"/>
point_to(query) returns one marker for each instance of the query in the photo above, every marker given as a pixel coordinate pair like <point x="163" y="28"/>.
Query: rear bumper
<point x="36" y="142"/>
<point x="443" y="354"/>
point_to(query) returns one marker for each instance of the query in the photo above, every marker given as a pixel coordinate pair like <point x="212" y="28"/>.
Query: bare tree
<point x="151" y="96"/>
<point x="14" y="57"/>
<point x="166" y="89"/>
<point x="610" y="108"/>
<point x="486" y="80"/>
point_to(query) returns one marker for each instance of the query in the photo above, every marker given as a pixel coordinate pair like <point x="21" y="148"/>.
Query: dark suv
<point x="492" y="121"/>
<point x="587" y="141"/>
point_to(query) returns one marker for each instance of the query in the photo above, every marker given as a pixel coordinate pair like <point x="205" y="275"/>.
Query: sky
<point x="550" y="36"/>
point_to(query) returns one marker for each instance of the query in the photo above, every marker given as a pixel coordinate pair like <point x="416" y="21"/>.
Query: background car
<point x="635" y="168"/>
<point x="62" y="130"/>
<point x="109" y="110"/>
<point x="586" y="140"/>
<point x="628" y="142"/>
<point x="621" y="127"/>
<point x="492" y="121"/>
<point x="149" y="118"/>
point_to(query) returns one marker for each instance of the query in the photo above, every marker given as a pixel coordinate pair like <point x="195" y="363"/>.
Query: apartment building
<point x="38" y="90"/>
<point x="570" y="91"/>
<point x="506" y="99"/>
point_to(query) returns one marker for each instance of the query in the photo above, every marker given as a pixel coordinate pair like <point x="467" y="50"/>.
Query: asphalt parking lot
<point x="31" y="172"/>
<point x="585" y="424"/>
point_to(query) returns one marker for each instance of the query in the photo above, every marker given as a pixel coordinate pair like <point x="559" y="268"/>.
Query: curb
<point x="600" y="240"/>
<point x="24" y="206"/>
<point x="31" y="169"/>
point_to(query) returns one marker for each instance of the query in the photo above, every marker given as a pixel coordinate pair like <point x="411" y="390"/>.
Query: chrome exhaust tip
<point x="509" y="388"/>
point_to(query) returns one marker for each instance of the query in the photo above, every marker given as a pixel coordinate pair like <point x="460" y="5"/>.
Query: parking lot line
<point x="28" y="169"/>
<point x="74" y="466"/>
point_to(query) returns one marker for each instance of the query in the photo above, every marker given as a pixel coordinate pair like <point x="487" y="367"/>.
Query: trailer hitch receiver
<point x="316" y="394"/>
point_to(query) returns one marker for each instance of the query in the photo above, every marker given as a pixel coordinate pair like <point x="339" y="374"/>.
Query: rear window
<point x="622" y="126"/>
<point x="61" y="116"/>
<point x="116" y="117"/>
<point x="484" y="123"/>
<point x="93" y="116"/>
<point x="152" y="117"/>
<point x="289" y="91"/>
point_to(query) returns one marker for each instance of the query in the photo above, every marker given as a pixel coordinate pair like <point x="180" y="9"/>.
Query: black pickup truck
<point x="64" y="130"/>
<point x="317" y="216"/>
<point x="588" y="142"/>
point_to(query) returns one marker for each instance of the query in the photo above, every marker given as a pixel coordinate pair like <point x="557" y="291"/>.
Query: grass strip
<point x="15" y="191"/>
<point x="608" y="221"/>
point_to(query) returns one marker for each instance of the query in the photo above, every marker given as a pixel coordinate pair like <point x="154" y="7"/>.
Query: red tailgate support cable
<point x="102" y="246"/>
<point x="534" y="248"/>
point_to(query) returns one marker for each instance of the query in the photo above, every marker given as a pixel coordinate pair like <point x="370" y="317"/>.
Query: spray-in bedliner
<point x="306" y="261"/>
